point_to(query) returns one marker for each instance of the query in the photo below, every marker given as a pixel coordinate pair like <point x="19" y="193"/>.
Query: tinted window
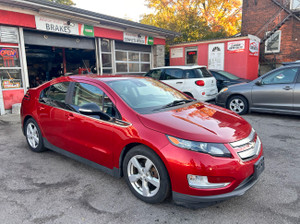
<point x="229" y="75"/>
<point x="198" y="73"/>
<point x="283" y="76"/>
<point x="217" y="76"/>
<point x="173" y="74"/>
<point x="155" y="74"/>
<point x="55" y="95"/>
<point x="86" y="93"/>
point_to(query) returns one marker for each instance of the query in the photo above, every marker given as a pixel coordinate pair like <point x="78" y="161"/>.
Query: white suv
<point x="195" y="81"/>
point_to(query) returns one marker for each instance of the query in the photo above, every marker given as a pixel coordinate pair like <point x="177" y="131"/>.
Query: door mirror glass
<point x="258" y="83"/>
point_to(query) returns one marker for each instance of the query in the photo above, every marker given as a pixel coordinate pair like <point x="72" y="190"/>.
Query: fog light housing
<point x="201" y="182"/>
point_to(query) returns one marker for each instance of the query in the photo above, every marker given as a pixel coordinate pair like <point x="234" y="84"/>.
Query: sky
<point x="125" y="9"/>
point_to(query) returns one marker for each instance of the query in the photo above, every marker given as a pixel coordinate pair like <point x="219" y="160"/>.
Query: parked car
<point x="225" y="79"/>
<point x="277" y="91"/>
<point x="195" y="81"/>
<point x="159" y="139"/>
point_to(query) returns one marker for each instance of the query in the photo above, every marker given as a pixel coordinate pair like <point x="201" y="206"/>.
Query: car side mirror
<point x="258" y="83"/>
<point x="93" y="109"/>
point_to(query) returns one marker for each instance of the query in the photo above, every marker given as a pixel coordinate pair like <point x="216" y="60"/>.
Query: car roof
<point x="106" y="77"/>
<point x="183" y="67"/>
<point x="291" y="63"/>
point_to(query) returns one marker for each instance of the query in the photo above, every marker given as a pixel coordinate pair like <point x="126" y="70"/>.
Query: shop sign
<point x="9" y="34"/>
<point x="8" y="55"/>
<point x="177" y="52"/>
<point x="253" y="48"/>
<point x="236" y="46"/>
<point x="65" y="27"/>
<point x="11" y="83"/>
<point x="137" y="39"/>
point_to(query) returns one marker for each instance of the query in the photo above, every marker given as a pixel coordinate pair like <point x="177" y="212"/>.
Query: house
<point x="277" y="24"/>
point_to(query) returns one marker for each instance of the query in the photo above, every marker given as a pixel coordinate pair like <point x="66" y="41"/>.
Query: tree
<point x="63" y="2"/>
<point x="195" y="19"/>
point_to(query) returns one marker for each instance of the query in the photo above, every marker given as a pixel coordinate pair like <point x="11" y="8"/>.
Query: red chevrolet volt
<point x="162" y="141"/>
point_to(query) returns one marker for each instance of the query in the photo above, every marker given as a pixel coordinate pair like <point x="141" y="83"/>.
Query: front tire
<point x="146" y="175"/>
<point x="34" y="136"/>
<point x="238" y="104"/>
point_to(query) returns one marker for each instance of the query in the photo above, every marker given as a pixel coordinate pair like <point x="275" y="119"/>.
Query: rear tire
<point x="238" y="104"/>
<point x="146" y="175"/>
<point x="34" y="136"/>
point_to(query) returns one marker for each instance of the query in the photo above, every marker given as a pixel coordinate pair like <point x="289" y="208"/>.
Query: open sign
<point x="8" y="52"/>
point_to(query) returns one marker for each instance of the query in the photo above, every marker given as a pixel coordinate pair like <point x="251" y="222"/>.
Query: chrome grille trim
<point x="251" y="152"/>
<point x="243" y="141"/>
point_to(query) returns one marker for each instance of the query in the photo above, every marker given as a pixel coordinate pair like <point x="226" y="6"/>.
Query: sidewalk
<point x="10" y="118"/>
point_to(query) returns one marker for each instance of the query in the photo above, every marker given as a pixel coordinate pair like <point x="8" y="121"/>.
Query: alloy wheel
<point x="143" y="176"/>
<point x="237" y="105"/>
<point x="32" y="135"/>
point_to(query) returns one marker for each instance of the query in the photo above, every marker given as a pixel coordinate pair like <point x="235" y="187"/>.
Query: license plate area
<point x="259" y="167"/>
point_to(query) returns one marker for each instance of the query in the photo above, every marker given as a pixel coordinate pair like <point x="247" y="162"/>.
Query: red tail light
<point x="27" y="96"/>
<point x="200" y="83"/>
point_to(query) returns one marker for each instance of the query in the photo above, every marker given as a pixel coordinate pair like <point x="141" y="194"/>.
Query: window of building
<point x="191" y="56"/>
<point x="132" y="61"/>
<point x="272" y="44"/>
<point x="10" y="65"/>
<point x="106" y="56"/>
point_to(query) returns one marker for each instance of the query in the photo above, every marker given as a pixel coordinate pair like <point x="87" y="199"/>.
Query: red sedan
<point x="162" y="141"/>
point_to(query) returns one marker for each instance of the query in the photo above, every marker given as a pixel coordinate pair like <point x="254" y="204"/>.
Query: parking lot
<point x="50" y="188"/>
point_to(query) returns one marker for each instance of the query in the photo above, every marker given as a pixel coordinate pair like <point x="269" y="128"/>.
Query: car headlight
<point x="214" y="149"/>
<point x="223" y="90"/>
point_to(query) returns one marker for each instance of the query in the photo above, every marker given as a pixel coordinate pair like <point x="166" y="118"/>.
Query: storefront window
<point x="136" y="62"/>
<point x="11" y="78"/>
<point x="105" y="45"/>
<point x="106" y="60"/>
<point x="121" y="67"/>
<point x="9" y="57"/>
<point x="191" y="57"/>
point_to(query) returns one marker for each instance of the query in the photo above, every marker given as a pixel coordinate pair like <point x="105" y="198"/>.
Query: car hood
<point x="199" y="122"/>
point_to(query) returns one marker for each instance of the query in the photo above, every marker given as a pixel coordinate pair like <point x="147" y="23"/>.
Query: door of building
<point x="216" y="56"/>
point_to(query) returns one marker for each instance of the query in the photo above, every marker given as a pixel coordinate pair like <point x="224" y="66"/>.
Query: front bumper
<point x="240" y="190"/>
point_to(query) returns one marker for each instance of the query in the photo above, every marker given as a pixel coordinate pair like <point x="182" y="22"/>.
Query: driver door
<point x="89" y="136"/>
<point x="276" y="90"/>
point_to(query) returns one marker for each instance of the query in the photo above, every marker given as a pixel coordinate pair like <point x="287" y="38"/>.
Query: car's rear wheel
<point x="146" y="175"/>
<point x="238" y="104"/>
<point x="34" y="136"/>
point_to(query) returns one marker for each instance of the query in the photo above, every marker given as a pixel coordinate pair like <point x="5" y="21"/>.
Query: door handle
<point x="287" y="88"/>
<point x="179" y="82"/>
<point x="70" y="116"/>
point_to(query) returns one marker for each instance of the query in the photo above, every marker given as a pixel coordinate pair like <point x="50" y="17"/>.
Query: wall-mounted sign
<point x="253" y="48"/>
<point x="65" y="27"/>
<point x="11" y="83"/>
<point x="236" y="46"/>
<point x="9" y="34"/>
<point x="177" y="52"/>
<point x="137" y="39"/>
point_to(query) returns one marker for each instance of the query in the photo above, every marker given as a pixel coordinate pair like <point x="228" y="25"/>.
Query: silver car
<point x="277" y="91"/>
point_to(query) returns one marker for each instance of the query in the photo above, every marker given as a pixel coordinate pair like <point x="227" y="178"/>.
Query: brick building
<point x="277" y="24"/>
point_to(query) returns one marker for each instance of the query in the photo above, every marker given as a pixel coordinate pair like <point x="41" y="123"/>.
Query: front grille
<point x="248" y="148"/>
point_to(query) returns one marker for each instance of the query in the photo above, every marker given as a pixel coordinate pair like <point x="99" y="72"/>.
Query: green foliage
<point x="63" y="2"/>
<point x="195" y="19"/>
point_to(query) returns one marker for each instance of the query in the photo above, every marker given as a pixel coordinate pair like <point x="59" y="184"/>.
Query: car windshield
<point x="229" y="75"/>
<point x="146" y="95"/>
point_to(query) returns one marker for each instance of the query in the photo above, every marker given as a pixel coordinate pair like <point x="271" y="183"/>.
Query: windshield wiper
<point x="175" y="103"/>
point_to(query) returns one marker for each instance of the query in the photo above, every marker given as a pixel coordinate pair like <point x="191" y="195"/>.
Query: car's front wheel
<point x="146" y="175"/>
<point x="34" y="136"/>
<point x="238" y="104"/>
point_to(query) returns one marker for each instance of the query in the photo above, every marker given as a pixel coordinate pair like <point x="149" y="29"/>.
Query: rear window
<point x="198" y="73"/>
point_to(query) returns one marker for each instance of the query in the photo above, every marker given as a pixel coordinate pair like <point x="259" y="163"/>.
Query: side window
<point x="173" y="74"/>
<point x="86" y="93"/>
<point x="155" y="74"/>
<point x="55" y="95"/>
<point x="283" y="76"/>
<point x="217" y="76"/>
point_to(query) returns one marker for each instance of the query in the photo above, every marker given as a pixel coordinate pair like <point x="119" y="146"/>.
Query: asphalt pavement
<point x="50" y="188"/>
